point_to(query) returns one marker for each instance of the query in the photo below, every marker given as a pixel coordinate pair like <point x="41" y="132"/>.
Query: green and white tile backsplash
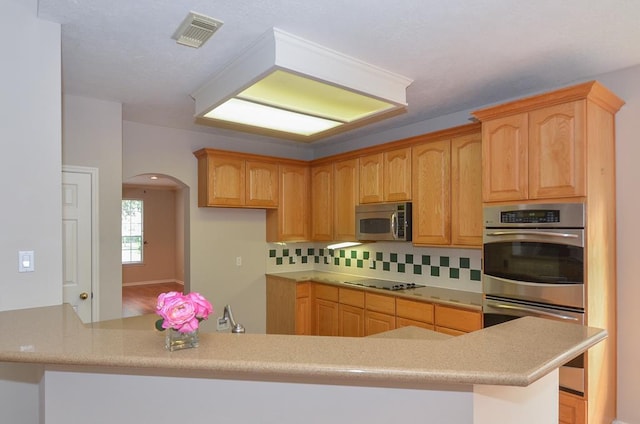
<point x="398" y="261"/>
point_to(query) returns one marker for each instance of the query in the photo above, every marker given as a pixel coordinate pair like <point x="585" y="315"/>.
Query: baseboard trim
<point x="146" y="283"/>
<point x="618" y="422"/>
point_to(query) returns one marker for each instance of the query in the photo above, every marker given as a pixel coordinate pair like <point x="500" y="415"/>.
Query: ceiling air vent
<point x="196" y="29"/>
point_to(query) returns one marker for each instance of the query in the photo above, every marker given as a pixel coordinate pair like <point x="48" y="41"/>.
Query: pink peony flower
<point x="182" y="312"/>
<point x="202" y="305"/>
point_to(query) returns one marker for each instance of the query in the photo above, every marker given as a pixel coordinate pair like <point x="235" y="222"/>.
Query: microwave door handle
<point x="522" y="308"/>
<point x="394" y="226"/>
<point x="531" y="233"/>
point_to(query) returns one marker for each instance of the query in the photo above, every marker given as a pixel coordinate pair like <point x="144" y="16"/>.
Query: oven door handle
<point x="531" y="233"/>
<point x="536" y="311"/>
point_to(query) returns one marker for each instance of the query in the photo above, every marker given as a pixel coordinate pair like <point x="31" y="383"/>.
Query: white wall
<point x="30" y="180"/>
<point x="216" y="236"/>
<point x="92" y="136"/>
<point x="30" y="173"/>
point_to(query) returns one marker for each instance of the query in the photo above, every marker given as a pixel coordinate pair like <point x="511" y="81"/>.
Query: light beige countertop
<point x="515" y="353"/>
<point x="463" y="299"/>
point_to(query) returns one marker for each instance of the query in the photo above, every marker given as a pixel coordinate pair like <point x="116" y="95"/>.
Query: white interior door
<point x="77" y="245"/>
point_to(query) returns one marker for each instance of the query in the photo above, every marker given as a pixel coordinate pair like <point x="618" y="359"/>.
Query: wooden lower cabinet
<point x="303" y="309"/>
<point x="288" y="306"/>
<point x="351" y="310"/>
<point x="456" y="321"/>
<point x="326" y="316"/>
<point x="380" y="313"/>
<point x="376" y="322"/>
<point x="411" y="312"/>
<point x="351" y="321"/>
<point x="573" y="409"/>
<point x="309" y="308"/>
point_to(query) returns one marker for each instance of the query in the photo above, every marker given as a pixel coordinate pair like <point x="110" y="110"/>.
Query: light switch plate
<point x="26" y="261"/>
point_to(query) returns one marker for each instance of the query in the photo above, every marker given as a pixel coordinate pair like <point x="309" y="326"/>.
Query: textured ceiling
<point x="461" y="54"/>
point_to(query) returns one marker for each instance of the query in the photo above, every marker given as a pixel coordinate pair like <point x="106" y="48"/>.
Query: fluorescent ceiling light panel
<point x="287" y="73"/>
<point x="301" y="94"/>
<point x="257" y="115"/>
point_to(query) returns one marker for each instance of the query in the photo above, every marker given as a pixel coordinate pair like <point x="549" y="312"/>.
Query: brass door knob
<point x="84" y="295"/>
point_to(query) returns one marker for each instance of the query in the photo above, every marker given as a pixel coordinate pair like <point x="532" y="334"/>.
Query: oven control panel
<point x="540" y="215"/>
<point x="530" y="216"/>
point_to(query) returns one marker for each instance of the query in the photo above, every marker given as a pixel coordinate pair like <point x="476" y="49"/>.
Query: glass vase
<point x="175" y="340"/>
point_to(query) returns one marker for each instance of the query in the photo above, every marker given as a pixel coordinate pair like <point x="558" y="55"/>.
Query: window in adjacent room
<point x="132" y="231"/>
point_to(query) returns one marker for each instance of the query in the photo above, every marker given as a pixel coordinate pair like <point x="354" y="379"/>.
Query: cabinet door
<point x="431" y="193"/>
<point x="261" y="184"/>
<point x="375" y="322"/>
<point x="351" y="321"/>
<point x="322" y="203"/>
<point x="303" y="309"/>
<point x="326" y="318"/>
<point x="345" y="199"/>
<point x="371" y="178"/>
<point x="290" y="222"/>
<point x="397" y="175"/>
<point x="573" y="409"/>
<point x="466" y="190"/>
<point x="557" y="152"/>
<point x="504" y="157"/>
<point x="225" y="180"/>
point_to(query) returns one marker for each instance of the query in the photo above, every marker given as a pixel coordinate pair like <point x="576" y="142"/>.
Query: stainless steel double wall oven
<point x="533" y="265"/>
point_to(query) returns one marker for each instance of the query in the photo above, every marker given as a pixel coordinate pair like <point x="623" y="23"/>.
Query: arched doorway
<point x="157" y="259"/>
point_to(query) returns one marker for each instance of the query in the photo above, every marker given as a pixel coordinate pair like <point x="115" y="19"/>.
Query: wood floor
<point x="141" y="300"/>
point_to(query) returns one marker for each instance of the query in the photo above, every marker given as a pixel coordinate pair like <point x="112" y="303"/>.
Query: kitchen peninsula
<point x="509" y="369"/>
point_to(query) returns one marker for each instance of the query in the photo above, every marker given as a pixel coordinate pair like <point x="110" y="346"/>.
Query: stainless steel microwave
<point x="383" y="222"/>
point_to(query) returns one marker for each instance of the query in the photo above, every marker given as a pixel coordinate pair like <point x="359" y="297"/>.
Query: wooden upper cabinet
<point x="346" y="186"/>
<point x="541" y="147"/>
<point x="221" y="180"/>
<point x="386" y="176"/>
<point x="466" y="190"/>
<point x="261" y="184"/>
<point x="557" y="151"/>
<point x="535" y="155"/>
<point x="290" y="222"/>
<point x="397" y="175"/>
<point x="505" y="144"/>
<point x="322" y="202"/>
<point x="431" y="193"/>
<point x="228" y="179"/>
<point x="371" y="178"/>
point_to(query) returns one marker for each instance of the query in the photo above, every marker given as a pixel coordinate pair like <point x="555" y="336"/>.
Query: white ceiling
<point x="461" y="54"/>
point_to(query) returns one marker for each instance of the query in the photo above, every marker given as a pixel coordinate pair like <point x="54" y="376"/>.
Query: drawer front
<point x="418" y="311"/>
<point x="323" y="291"/>
<point x="380" y="303"/>
<point x="352" y="297"/>
<point x="457" y="319"/>
<point x="303" y="290"/>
